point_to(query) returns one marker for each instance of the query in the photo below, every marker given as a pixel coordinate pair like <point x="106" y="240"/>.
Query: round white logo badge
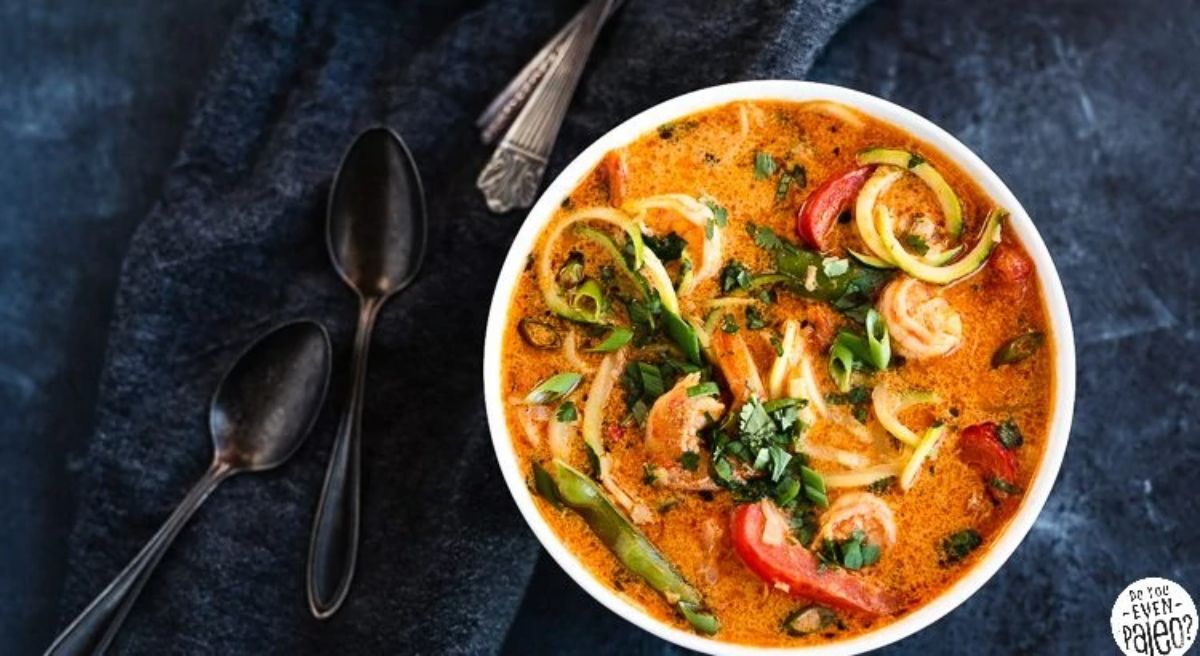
<point x="1154" y="617"/>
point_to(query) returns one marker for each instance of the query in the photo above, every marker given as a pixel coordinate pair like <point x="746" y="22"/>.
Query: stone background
<point x="1089" y="110"/>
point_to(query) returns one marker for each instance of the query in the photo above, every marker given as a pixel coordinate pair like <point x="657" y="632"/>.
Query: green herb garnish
<point x="566" y="413"/>
<point x="553" y="388"/>
<point x="689" y="460"/>
<point x="754" y="319"/>
<point x="1010" y="436"/>
<point x="734" y="275"/>
<point x="729" y="324"/>
<point x="957" y="546"/>
<point x="708" y="388"/>
<point x="764" y="165"/>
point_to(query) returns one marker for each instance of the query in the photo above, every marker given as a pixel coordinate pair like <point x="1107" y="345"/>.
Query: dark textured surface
<point x="1087" y="110"/>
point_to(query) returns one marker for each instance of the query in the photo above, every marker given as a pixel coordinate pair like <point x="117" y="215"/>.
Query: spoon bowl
<point x="375" y="228"/>
<point x="262" y="410"/>
<point x="267" y="402"/>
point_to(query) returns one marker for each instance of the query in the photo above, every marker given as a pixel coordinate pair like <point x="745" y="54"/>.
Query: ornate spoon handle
<point x="512" y="176"/>
<point x="500" y="112"/>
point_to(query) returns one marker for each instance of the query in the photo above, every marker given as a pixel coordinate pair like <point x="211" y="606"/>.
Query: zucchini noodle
<point x="887" y="405"/>
<point x="545" y="263"/>
<point x="861" y="477"/>
<point x="696" y="213"/>
<point x="842" y="457"/>
<point x="925" y="448"/>
<point x="572" y="354"/>
<point x="593" y="424"/>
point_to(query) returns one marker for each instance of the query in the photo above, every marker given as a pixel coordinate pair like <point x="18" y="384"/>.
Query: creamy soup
<point x="778" y="372"/>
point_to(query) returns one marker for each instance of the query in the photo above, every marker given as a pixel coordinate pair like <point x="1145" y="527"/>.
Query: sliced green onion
<point x="588" y="300"/>
<point x="605" y="241"/>
<point x="543" y="484"/>
<point x="841" y="365"/>
<point x="539" y="333"/>
<point x="704" y="389"/>
<point x="615" y="339"/>
<point x="814" y="486"/>
<point x="571" y="272"/>
<point x="683" y="334"/>
<point x="878" y="342"/>
<point x="1018" y="348"/>
<point x="700" y="620"/>
<point x="787" y="490"/>
<point x="553" y="388"/>
<point x="856" y="344"/>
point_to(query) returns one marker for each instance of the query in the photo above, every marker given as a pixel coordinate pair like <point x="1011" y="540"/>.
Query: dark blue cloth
<point x="235" y="245"/>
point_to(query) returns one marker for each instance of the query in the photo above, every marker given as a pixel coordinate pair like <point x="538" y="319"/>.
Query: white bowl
<point x="630" y="130"/>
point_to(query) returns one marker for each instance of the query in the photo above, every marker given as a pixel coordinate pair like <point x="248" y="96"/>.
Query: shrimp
<point x="922" y="324"/>
<point x="737" y="366"/>
<point x="859" y="511"/>
<point x="616" y="174"/>
<point x="675" y="418"/>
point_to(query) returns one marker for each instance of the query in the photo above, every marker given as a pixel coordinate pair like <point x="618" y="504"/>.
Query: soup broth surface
<point x="954" y="372"/>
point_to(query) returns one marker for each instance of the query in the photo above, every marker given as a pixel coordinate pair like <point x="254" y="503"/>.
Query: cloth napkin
<point x="235" y="245"/>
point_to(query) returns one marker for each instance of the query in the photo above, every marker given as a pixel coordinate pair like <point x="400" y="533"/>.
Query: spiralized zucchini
<point x="708" y="262"/>
<point x="887" y="404"/>
<point x="862" y="477"/>
<point x="929" y="441"/>
<point x="545" y="264"/>
<point x="939" y="274"/>
<point x="952" y="213"/>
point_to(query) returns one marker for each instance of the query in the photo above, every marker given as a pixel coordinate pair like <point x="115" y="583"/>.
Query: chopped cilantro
<point x="956" y="546"/>
<point x="853" y="553"/>
<point x="882" y="486"/>
<point x="734" y="275"/>
<point x="764" y="165"/>
<point x="668" y="248"/>
<point x="689" y="460"/>
<point x="729" y="324"/>
<point x="566" y="413"/>
<point x="777" y="344"/>
<point x="754" y="319"/>
<point x="765" y="237"/>
<point x="1004" y="486"/>
<point x="1010" y="436"/>
<point x="916" y="243"/>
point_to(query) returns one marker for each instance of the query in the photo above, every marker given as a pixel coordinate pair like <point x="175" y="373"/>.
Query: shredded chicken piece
<point x="922" y="324"/>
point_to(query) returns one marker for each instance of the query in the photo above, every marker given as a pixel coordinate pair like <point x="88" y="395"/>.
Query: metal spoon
<point x="261" y="412"/>
<point x="376" y="238"/>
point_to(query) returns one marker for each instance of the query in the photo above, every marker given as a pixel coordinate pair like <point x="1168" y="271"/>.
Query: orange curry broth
<point x="711" y="154"/>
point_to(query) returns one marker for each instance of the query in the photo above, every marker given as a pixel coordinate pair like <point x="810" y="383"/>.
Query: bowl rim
<point x="927" y="132"/>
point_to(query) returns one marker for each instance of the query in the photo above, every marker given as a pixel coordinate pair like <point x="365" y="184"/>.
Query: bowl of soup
<point x="779" y="366"/>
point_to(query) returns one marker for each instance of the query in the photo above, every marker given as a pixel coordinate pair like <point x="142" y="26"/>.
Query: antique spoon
<point x="376" y="237"/>
<point x="510" y="179"/>
<point x="262" y="411"/>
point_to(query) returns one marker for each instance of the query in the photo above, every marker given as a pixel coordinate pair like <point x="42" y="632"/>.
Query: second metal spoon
<point x="261" y="412"/>
<point x="375" y="232"/>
